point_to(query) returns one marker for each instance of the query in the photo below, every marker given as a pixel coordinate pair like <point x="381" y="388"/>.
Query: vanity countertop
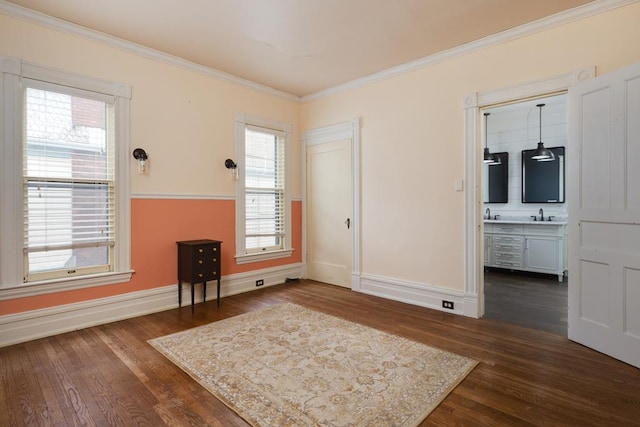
<point x="520" y="221"/>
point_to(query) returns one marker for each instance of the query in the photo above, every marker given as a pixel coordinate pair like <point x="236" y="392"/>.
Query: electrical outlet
<point x="259" y="282"/>
<point x="447" y="304"/>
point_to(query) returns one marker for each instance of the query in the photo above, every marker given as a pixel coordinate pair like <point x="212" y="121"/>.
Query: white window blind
<point x="68" y="182"/>
<point x="265" y="201"/>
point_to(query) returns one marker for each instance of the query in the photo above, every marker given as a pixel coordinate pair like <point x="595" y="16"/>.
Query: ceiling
<point x="300" y="46"/>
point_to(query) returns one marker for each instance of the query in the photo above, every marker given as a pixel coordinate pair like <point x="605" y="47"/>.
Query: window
<point x="263" y="218"/>
<point x="67" y="216"/>
<point x="69" y="184"/>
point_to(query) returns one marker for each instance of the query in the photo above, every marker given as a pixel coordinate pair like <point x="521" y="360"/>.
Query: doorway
<point x="525" y="214"/>
<point x="331" y="209"/>
<point x="473" y="225"/>
<point x="603" y="261"/>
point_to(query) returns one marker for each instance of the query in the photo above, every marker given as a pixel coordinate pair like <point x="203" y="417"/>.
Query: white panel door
<point x="604" y="214"/>
<point x="329" y="212"/>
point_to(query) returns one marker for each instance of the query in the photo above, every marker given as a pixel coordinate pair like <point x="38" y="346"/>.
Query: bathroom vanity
<point x="537" y="246"/>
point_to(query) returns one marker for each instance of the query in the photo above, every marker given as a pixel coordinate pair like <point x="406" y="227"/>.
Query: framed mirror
<point x="497" y="180"/>
<point x="543" y="181"/>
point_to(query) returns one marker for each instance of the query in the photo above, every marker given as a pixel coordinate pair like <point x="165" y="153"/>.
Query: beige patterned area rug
<point x="290" y="366"/>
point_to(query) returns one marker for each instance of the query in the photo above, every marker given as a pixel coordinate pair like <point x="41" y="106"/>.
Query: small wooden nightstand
<point x="198" y="262"/>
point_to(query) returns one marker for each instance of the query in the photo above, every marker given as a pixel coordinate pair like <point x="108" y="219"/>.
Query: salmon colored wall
<point x="156" y="225"/>
<point x="412" y="136"/>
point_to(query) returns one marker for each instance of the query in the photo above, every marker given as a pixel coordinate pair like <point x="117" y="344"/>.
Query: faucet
<point x="488" y="212"/>
<point x="541" y="212"/>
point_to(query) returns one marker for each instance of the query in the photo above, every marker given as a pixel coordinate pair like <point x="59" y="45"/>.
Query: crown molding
<point x="32" y="16"/>
<point x="590" y="9"/>
<point x="330" y="133"/>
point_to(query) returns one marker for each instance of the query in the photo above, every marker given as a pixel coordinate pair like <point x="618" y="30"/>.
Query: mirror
<point x="543" y="181"/>
<point x="497" y="180"/>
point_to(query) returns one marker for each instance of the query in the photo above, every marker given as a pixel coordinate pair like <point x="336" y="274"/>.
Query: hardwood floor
<point x="109" y="375"/>
<point x="535" y="301"/>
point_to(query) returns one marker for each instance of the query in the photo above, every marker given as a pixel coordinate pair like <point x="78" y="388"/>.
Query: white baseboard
<point x="412" y="293"/>
<point x="472" y="306"/>
<point x="22" y="327"/>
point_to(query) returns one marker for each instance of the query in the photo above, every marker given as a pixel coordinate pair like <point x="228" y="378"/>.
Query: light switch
<point x="459" y="184"/>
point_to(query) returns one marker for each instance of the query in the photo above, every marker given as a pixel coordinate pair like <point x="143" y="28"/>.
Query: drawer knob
<point x="199" y="261"/>
<point x="200" y="274"/>
<point x="200" y="250"/>
<point x="214" y="273"/>
<point x="215" y="249"/>
<point x="214" y="259"/>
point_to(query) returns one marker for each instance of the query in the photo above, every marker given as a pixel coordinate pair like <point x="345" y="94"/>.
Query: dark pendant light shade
<point x="542" y="154"/>
<point x="489" y="159"/>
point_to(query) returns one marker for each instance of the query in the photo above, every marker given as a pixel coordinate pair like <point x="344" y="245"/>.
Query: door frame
<point x="473" y="226"/>
<point x="345" y="130"/>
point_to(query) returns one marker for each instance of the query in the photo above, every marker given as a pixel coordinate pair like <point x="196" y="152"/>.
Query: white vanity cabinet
<point x="526" y="246"/>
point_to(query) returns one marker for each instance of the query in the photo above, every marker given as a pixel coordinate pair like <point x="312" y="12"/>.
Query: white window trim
<point x="242" y="120"/>
<point x="12" y="71"/>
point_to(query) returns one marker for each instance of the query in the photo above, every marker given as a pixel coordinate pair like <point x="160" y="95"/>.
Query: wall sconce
<point x="231" y="165"/>
<point x="141" y="156"/>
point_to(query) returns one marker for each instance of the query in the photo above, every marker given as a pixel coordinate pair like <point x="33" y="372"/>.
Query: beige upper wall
<point x="183" y="119"/>
<point x="412" y="139"/>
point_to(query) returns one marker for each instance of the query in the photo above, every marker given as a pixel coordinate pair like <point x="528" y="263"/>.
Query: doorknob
<point x="348" y="222"/>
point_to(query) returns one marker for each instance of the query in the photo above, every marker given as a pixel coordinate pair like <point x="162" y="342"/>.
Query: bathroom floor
<point x="532" y="300"/>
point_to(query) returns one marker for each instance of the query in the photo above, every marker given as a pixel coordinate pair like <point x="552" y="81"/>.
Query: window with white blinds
<point x="264" y="189"/>
<point x="263" y="201"/>
<point x="65" y="212"/>
<point x="68" y="182"/>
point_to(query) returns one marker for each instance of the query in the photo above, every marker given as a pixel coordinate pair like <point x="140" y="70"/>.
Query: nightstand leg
<point x="179" y="293"/>
<point x="218" y="292"/>
<point x="192" y="296"/>
<point x="204" y="291"/>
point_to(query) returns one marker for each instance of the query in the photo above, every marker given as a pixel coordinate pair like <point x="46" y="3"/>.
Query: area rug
<point x="287" y="365"/>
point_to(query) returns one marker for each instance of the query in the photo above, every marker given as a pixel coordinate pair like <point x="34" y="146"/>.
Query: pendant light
<point x="542" y="154"/>
<point x="489" y="159"/>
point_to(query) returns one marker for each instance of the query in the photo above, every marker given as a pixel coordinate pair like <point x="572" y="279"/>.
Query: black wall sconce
<point x="233" y="167"/>
<point x="141" y="156"/>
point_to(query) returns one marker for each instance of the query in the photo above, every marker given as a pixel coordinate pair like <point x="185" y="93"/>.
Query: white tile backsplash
<point x="515" y="127"/>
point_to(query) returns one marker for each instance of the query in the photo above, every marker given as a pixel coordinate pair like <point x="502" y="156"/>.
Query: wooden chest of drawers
<point x="198" y="262"/>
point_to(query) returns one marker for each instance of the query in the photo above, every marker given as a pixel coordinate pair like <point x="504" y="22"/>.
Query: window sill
<point x="263" y="256"/>
<point x="60" y="285"/>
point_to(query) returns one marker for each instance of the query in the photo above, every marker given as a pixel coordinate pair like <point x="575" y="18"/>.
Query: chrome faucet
<point x="541" y="212"/>
<point x="488" y="212"/>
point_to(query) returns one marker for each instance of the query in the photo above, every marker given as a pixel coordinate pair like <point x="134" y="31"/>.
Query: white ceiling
<point x="300" y="46"/>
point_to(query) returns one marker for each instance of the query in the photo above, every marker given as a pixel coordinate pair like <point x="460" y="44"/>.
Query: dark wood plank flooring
<point x="109" y="376"/>
<point x="535" y="301"/>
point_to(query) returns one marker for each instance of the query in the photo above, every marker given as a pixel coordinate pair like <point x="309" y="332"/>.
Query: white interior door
<point x="604" y="214"/>
<point x="329" y="212"/>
